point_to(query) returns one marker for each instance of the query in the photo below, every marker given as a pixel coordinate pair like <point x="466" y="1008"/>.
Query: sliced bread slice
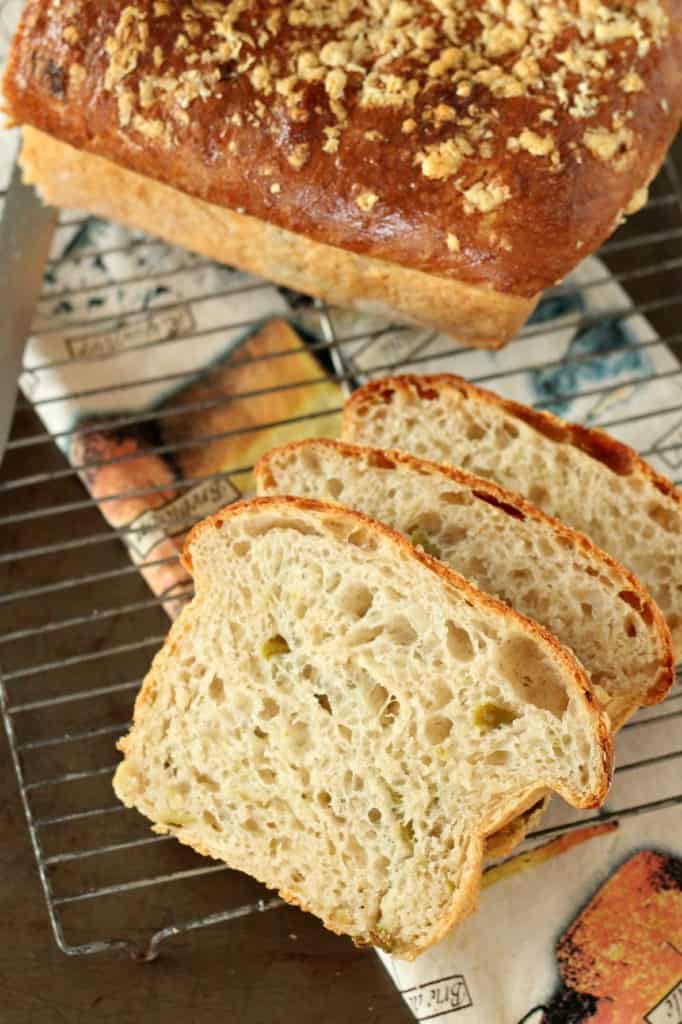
<point x="504" y="545"/>
<point x="345" y="718"/>
<point x="584" y="477"/>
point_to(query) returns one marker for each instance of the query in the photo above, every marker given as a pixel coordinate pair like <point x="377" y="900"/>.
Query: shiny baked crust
<point x="489" y="143"/>
<point x="68" y="177"/>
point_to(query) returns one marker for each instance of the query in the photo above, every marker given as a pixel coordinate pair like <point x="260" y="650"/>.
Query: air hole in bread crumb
<point x="587" y="609"/>
<point x="267" y="776"/>
<point x="258" y="526"/>
<point x="297" y="734"/>
<point x="345" y="732"/>
<point x="497" y="757"/>
<point x="390" y="712"/>
<point x="270" y="708"/>
<point x="374" y="815"/>
<point x="317" y="635"/>
<point x="323" y="700"/>
<point x="377" y="698"/>
<point x="216" y="690"/>
<point x="356" y="851"/>
<point x="510" y="428"/>
<point x="309" y="673"/>
<point x="323" y="798"/>
<point x="356" y="600"/>
<point x="361" y="538"/>
<point x="381" y="864"/>
<point x="634" y="600"/>
<point x="241" y="548"/>
<point x="459" y="642"/>
<point x="545" y="547"/>
<point x="437" y="729"/>
<point x="334" y="487"/>
<point x="456" y="497"/>
<point x="211" y="820"/>
<point x="665" y="517"/>
<point x="453" y="535"/>
<point x="332" y="582"/>
<point x="474" y="431"/>
<point x="430" y="522"/>
<point x="630" y="626"/>
<point x="531" y="674"/>
<point x="401" y="631"/>
<point x="363" y="635"/>
<point x="206" y="781"/>
<point x="251" y="825"/>
<point x="310" y="460"/>
<point x="538" y="495"/>
<point x="504" y="506"/>
<point x="259" y="733"/>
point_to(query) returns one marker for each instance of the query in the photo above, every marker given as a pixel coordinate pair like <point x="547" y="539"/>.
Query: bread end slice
<point x="346" y="719"/>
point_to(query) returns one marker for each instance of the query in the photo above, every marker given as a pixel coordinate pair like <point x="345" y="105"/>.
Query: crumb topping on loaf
<point x="394" y="119"/>
<point x="396" y="55"/>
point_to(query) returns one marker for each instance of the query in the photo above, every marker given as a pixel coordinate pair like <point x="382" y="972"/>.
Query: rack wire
<point x="78" y="626"/>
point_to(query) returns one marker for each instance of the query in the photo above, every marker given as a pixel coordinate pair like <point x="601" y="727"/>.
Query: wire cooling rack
<point x="78" y="626"/>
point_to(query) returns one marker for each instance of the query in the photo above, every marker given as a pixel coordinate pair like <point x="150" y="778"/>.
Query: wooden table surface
<point x="279" y="967"/>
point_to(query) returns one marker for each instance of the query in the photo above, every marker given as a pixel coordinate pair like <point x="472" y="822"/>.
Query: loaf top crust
<point x="492" y="142"/>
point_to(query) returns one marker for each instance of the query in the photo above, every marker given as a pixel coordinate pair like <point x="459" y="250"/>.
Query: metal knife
<point x="26" y="231"/>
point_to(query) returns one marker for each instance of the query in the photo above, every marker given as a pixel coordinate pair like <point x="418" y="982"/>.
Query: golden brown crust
<point x="443" y="138"/>
<point x="515" y="505"/>
<point x="67" y="177"/>
<point x="616" y="456"/>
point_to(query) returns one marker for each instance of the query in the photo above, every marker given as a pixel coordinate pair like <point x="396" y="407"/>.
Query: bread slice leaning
<point x="505" y="546"/>
<point x="345" y="718"/>
<point x="584" y="477"/>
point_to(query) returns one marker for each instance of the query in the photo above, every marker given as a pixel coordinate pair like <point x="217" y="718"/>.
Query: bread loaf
<point x="483" y="147"/>
<point x="345" y="718"/>
<point x="583" y="477"/>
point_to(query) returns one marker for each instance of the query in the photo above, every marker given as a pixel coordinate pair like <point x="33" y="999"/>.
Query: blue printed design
<point x="595" y="354"/>
<point x="551" y="307"/>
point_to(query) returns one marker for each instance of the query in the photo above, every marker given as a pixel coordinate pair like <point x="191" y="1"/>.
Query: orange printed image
<point x="157" y="474"/>
<point x="621" y="959"/>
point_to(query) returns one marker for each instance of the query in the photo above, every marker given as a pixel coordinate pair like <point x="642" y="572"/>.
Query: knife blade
<point x="26" y="231"/>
